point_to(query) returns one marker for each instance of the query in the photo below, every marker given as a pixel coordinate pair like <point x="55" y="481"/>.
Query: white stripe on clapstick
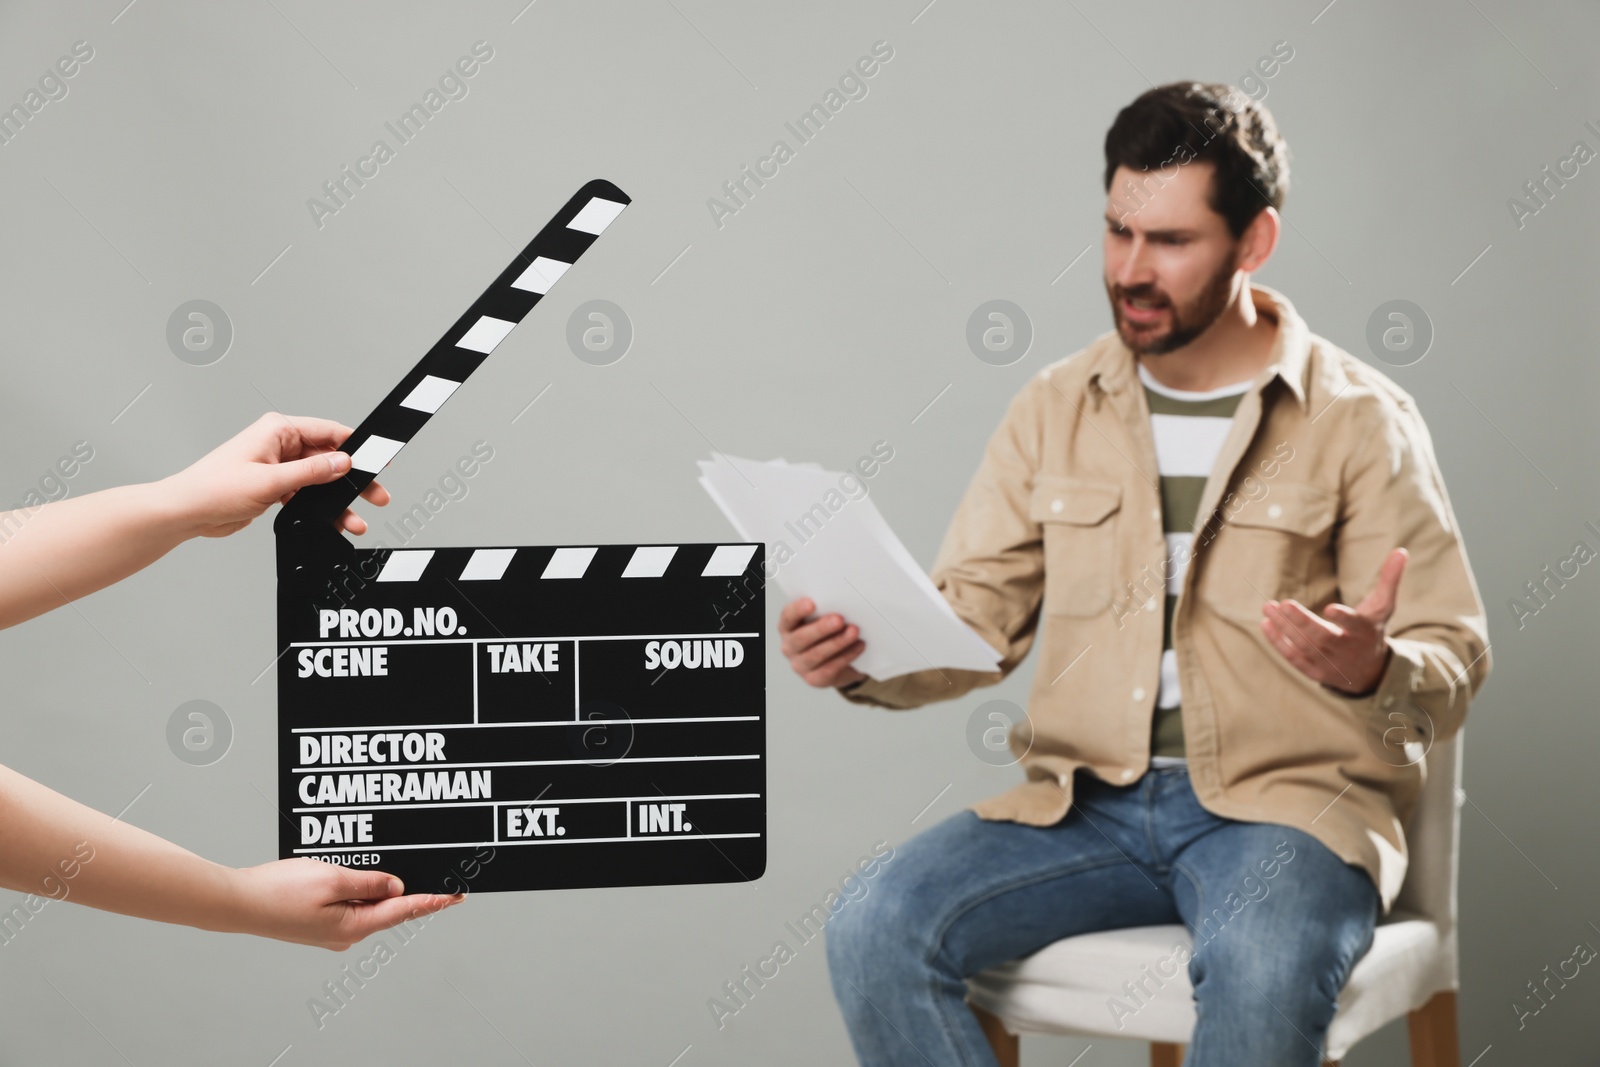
<point x="728" y="561"/>
<point x="491" y="564"/>
<point x="429" y="394"/>
<point x="596" y="215"/>
<point x="487" y="332"/>
<point x="405" y="566"/>
<point x="374" y="452"/>
<point x="568" y="563"/>
<point x="539" y="277"/>
<point x="649" y="561"/>
<point x="487" y="565"/>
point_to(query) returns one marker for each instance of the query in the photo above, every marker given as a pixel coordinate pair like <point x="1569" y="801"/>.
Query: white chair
<point x="1411" y="969"/>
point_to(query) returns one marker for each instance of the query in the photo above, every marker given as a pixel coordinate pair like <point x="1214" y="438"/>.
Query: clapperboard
<point x="581" y="715"/>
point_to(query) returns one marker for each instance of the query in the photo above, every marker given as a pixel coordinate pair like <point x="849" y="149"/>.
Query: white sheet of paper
<point x="846" y="560"/>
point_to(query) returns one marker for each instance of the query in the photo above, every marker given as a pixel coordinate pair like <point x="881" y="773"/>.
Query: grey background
<point x="826" y="315"/>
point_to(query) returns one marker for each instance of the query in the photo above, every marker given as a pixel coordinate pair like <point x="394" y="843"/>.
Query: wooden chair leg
<point x="1434" y="1038"/>
<point x="1165" y="1055"/>
<point x="1007" y="1049"/>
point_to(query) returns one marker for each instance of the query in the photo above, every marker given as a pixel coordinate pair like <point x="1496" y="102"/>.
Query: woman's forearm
<point x="70" y="548"/>
<point x="52" y="846"/>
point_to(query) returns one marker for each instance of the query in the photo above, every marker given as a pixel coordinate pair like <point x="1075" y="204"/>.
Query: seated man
<point x="1207" y="514"/>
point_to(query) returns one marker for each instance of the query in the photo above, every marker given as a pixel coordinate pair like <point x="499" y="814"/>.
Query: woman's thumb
<point x="374" y="885"/>
<point x="309" y="470"/>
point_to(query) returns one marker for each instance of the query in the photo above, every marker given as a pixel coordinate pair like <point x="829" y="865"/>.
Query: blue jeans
<point x="1277" y="919"/>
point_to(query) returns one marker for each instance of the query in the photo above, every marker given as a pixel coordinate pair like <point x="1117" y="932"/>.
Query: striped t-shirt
<point x="1189" y="428"/>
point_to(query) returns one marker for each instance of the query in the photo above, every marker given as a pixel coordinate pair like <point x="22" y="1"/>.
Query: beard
<point x="1188" y="321"/>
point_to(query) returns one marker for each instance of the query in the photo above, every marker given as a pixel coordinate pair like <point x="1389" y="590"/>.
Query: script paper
<point x="846" y="559"/>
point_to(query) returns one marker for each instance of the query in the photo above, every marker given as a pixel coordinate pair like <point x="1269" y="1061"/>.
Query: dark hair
<point x="1183" y="122"/>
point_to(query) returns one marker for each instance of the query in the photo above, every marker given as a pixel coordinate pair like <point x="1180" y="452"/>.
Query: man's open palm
<point x="1344" y="647"/>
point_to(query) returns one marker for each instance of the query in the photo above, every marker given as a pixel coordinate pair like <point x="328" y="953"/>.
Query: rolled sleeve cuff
<point x="1394" y="685"/>
<point x="1393" y="688"/>
<point x="871" y="692"/>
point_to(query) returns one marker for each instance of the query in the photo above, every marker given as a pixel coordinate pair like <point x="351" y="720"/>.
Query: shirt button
<point x="1126" y="775"/>
<point x="1274" y="510"/>
<point x="1056" y="506"/>
<point x="1387" y="701"/>
<point x="1063" y="779"/>
<point x="1150" y="605"/>
<point x="1138" y="694"/>
<point x="1155" y="513"/>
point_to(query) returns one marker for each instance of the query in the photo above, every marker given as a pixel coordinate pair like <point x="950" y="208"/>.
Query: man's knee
<point x="859" y="924"/>
<point x="1294" y="980"/>
<point x="884" y="932"/>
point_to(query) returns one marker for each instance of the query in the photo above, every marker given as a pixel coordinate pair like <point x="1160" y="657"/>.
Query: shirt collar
<point x="1290" y="356"/>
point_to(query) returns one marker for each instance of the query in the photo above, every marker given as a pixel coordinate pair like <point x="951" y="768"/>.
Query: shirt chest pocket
<point x="1274" y="548"/>
<point x="1078" y="521"/>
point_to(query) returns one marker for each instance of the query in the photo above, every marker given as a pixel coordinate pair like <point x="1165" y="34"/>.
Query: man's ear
<point x="1259" y="240"/>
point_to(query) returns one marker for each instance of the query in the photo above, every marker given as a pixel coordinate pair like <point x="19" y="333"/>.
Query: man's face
<point x="1170" y="260"/>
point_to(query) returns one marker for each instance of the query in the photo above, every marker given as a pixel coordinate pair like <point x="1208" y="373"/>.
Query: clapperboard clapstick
<point x="515" y="717"/>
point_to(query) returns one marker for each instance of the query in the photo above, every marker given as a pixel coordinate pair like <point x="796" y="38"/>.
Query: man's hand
<point x="1344" y="647"/>
<point x="820" y="651"/>
<point x="265" y="463"/>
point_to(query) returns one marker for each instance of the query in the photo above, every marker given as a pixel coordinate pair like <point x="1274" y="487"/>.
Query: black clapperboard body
<point x="510" y="718"/>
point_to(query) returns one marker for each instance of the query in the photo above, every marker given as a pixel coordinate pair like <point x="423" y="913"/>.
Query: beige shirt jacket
<point x="1327" y="468"/>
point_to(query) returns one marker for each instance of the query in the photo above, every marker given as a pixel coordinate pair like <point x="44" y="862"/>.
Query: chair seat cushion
<point x="1074" y="986"/>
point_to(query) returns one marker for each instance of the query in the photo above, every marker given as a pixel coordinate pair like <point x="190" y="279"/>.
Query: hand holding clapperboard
<point x="505" y="718"/>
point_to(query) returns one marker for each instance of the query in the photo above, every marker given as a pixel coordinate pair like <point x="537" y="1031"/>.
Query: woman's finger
<point x="318" y="435"/>
<point x="375" y="493"/>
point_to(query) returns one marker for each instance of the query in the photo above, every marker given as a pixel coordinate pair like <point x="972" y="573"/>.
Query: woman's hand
<point x="314" y="903"/>
<point x="264" y="464"/>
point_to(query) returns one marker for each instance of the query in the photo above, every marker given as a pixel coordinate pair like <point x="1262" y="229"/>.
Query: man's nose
<point x="1135" y="269"/>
